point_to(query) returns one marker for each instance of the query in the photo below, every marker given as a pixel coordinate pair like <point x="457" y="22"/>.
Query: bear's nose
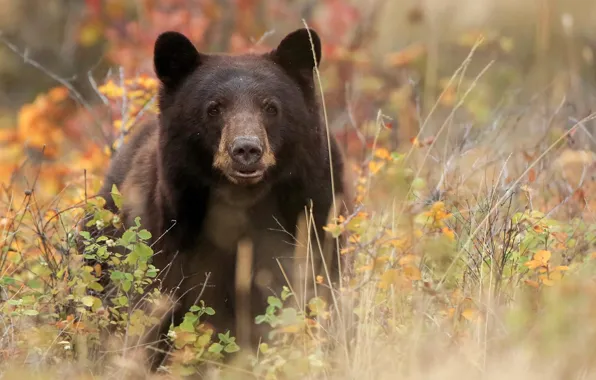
<point x="246" y="150"/>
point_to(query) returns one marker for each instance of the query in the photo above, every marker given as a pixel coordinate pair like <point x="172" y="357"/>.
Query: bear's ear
<point x="174" y="58"/>
<point x="295" y="52"/>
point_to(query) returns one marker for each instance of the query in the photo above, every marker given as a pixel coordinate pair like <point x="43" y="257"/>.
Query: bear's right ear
<point x="174" y="58"/>
<point x="295" y="53"/>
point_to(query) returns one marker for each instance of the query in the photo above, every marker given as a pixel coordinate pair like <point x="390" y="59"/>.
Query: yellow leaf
<point x="388" y="278"/>
<point x="556" y="276"/>
<point x="533" y="264"/>
<point x="469" y="314"/>
<point x="264" y="347"/>
<point x="347" y="250"/>
<point x="382" y="153"/>
<point x="407" y="259"/>
<point x="58" y="94"/>
<point x="546" y="281"/>
<point x="381" y="260"/>
<point x="412" y="273"/>
<point x="397" y="243"/>
<point x="90" y="34"/>
<point x="561" y="268"/>
<point x="542" y="256"/>
<point x="506" y="44"/>
<point x="364" y="268"/>
<point x="291" y="329"/>
<point x="449" y="233"/>
<point x="88" y="301"/>
<point x="375" y="166"/>
<point x="319" y="279"/>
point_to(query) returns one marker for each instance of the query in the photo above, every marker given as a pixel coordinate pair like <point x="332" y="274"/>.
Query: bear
<point x="239" y="150"/>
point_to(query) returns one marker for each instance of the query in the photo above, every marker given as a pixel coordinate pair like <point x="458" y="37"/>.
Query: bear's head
<point x="242" y="120"/>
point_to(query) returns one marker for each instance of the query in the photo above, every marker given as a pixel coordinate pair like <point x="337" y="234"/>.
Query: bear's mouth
<point x="247" y="176"/>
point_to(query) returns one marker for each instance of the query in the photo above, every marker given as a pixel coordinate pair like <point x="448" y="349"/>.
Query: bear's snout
<point x="246" y="151"/>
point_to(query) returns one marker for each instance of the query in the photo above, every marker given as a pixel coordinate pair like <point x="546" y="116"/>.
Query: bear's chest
<point x="226" y="223"/>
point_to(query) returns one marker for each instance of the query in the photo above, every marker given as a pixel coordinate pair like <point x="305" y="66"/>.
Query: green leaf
<point x="203" y="340"/>
<point x="260" y="319"/>
<point x="209" y="311"/>
<point x="126" y="284"/>
<point x="128" y="237"/>
<point x="151" y="272"/>
<point x="116" y="196"/>
<point x="289" y="316"/>
<point x="88" y="301"/>
<point x="143" y="251"/>
<point x="285" y="293"/>
<point x="31" y="312"/>
<point x="7" y="281"/>
<point x="232" y="347"/>
<point x="121" y="301"/>
<point x="274" y="301"/>
<point x="144" y="234"/>
<point x="216" y="348"/>
<point x="116" y="275"/>
<point x="86" y="235"/>
<point x="187" y="325"/>
<point x="194" y="308"/>
<point x="95" y="286"/>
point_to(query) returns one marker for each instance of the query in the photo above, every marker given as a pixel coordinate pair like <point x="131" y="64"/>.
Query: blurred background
<point x="372" y="47"/>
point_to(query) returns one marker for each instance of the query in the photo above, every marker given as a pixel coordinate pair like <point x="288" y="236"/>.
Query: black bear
<point x="239" y="151"/>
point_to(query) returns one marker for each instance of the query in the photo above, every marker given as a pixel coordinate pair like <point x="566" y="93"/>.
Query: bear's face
<point x="231" y="116"/>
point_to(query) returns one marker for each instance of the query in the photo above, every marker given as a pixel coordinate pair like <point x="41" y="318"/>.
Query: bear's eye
<point x="271" y="109"/>
<point x="214" y="109"/>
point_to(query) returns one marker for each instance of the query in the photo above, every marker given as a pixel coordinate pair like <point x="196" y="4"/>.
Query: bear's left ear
<point x="174" y="58"/>
<point x="295" y="53"/>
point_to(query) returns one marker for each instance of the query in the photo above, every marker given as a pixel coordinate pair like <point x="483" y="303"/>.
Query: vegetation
<point x="472" y="250"/>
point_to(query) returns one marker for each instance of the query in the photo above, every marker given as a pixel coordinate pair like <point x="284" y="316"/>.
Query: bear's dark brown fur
<point x="239" y="151"/>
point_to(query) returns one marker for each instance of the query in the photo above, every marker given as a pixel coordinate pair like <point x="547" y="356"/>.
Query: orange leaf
<point x="531" y="283"/>
<point x="382" y="153"/>
<point x="469" y="314"/>
<point x="533" y="264"/>
<point x="364" y="268"/>
<point x="397" y="243"/>
<point x="388" y="278"/>
<point x="412" y="273"/>
<point x="375" y="166"/>
<point x="449" y="233"/>
<point x="532" y="175"/>
<point x="97" y="269"/>
<point x="407" y="259"/>
<point x="546" y="281"/>
<point x="542" y="256"/>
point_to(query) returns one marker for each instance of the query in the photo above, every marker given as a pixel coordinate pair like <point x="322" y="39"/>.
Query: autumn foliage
<point x="471" y="241"/>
